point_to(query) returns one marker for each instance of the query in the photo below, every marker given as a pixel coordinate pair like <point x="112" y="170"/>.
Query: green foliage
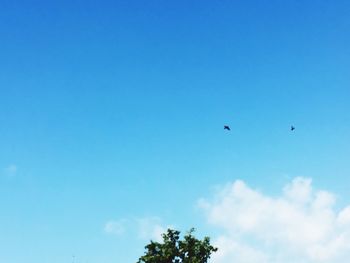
<point x="174" y="250"/>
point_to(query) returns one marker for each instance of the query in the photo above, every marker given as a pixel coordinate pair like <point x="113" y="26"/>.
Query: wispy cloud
<point x="151" y="228"/>
<point x="11" y="170"/>
<point x="115" y="227"/>
<point x="301" y="225"/>
<point x="147" y="228"/>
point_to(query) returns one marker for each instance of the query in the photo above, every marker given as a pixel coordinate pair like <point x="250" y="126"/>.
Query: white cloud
<point x="11" y="170"/>
<point x="115" y="227"/>
<point x="301" y="225"/>
<point x="147" y="228"/>
<point x="151" y="228"/>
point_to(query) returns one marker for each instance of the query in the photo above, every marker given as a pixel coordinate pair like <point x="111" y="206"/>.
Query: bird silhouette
<point x="227" y="128"/>
<point x="292" y="128"/>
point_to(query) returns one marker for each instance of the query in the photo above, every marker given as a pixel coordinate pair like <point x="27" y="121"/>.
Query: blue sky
<point x="114" y="110"/>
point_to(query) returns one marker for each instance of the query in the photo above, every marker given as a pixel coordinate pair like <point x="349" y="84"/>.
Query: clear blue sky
<point x="115" y="109"/>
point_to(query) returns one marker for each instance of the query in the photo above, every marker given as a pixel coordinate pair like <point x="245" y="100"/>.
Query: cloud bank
<point x="301" y="225"/>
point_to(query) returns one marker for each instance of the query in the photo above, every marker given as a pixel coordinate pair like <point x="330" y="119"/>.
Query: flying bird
<point x="227" y="128"/>
<point x="292" y="128"/>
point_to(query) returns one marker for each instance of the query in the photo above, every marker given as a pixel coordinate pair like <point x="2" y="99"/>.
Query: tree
<point x="174" y="250"/>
